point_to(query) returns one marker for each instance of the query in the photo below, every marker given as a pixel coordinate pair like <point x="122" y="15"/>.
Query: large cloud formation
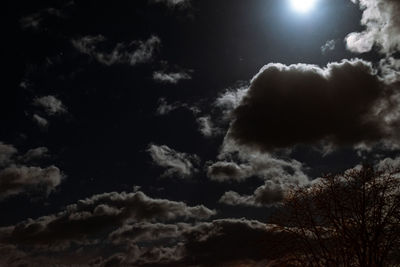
<point x="223" y="242"/>
<point x="115" y="226"/>
<point x="382" y="21"/>
<point x="345" y="103"/>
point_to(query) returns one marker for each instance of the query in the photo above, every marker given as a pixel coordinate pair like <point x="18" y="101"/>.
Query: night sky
<point x="166" y="132"/>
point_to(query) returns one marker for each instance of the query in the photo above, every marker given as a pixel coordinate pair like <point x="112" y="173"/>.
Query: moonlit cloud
<point x="51" y="104"/>
<point x="173" y="3"/>
<point x="170" y="77"/>
<point x="328" y="46"/>
<point x="35" y="20"/>
<point x="176" y="163"/>
<point x="133" y="53"/>
<point x="381" y="19"/>
<point x="117" y="221"/>
<point x="7" y="152"/>
<point x="315" y="105"/>
<point x="40" y="121"/>
<point x="17" y="178"/>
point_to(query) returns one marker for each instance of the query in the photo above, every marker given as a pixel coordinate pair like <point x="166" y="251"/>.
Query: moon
<point x="302" y="6"/>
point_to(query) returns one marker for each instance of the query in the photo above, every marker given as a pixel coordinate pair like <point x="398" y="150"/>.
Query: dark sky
<point x="166" y="132"/>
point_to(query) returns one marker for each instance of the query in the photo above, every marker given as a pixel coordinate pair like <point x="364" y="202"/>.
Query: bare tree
<point x="351" y="219"/>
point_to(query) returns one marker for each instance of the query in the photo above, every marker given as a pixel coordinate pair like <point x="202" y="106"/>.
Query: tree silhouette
<point x="350" y="219"/>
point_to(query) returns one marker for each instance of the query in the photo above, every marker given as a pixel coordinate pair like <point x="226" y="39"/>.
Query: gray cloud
<point x="116" y="220"/>
<point x="40" y="121"/>
<point x="51" y="104"/>
<point x="271" y="193"/>
<point x="328" y="46"/>
<point x="382" y="27"/>
<point x="171" y="77"/>
<point x="35" y="154"/>
<point x="345" y="103"/>
<point x="174" y="3"/>
<point x="15" y="180"/>
<point x="177" y="163"/>
<point x="6" y="153"/>
<point x="207" y="127"/>
<point x="224" y="242"/>
<point x="35" y="20"/>
<point x="390" y="69"/>
<point x="134" y="53"/>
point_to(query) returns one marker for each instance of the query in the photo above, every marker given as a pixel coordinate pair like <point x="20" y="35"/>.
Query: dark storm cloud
<point x="170" y="77"/>
<point x="177" y="163"/>
<point x="345" y="103"/>
<point x="382" y="21"/>
<point x="133" y="53"/>
<point x="50" y="104"/>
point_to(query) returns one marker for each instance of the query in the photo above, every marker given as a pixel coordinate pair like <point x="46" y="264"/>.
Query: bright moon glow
<point x="302" y="6"/>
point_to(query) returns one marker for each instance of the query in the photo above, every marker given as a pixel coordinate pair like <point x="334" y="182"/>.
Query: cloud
<point x="390" y="69"/>
<point x="145" y="232"/>
<point x="6" y="153"/>
<point x="35" y="20"/>
<point x="382" y="27"/>
<point x="133" y="53"/>
<point x="164" y="107"/>
<point x="51" y="104"/>
<point x="177" y="164"/>
<point x="238" y="163"/>
<point x="328" y="46"/>
<point x="15" y="180"/>
<point x="345" y="103"/>
<point x="170" y="77"/>
<point x="173" y="3"/>
<point x="40" y="121"/>
<point x="271" y="193"/>
<point x="108" y="219"/>
<point x="35" y="154"/>
<point x="207" y="127"/>
<point x="224" y="242"/>
<point x="388" y="163"/>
